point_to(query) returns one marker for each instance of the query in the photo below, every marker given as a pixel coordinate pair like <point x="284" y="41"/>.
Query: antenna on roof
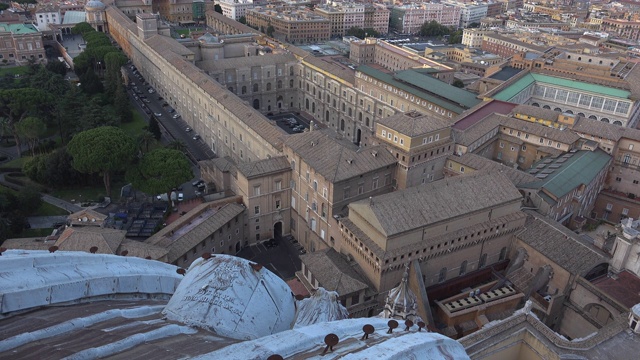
<point x="93" y="249"/>
<point x="370" y="201"/>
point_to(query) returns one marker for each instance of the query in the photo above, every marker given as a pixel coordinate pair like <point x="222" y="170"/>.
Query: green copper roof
<point x="567" y="172"/>
<point x="18" y="28"/>
<point x="426" y="87"/>
<point x="515" y="88"/>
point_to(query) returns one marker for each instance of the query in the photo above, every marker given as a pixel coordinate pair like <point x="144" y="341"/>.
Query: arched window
<point x="593" y="117"/>
<point x="546" y="107"/>
<point x="359" y="116"/>
<point x="619" y="123"/>
<point x="306" y="103"/>
<point x="255" y="88"/>
<point x="557" y="109"/>
<point x="244" y="90"/>
<point x="291" y="83"/>
<point x="230" y="88"/>
<point x="256" y="104"/>
<point x="503" y="253"/>
<point x="313" y="107"/>
<point x="463" y="268"/>
<point x="342" y="125"/>
<point x="268" y="86"/>
<point x="291" y="71"/>
<point x="326" y="116"/>
<point x="443" y="275"/>
<point x="279" y="84"/>
<point x="366" y="121"/>
<point x="604" y="120"/>
<point x="350" y="112"/>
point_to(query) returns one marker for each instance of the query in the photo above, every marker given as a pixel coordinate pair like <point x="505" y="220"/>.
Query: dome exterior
<point x="94" y="5"/>
<point x="232" y="297"/>
<point x="322" y="306"/>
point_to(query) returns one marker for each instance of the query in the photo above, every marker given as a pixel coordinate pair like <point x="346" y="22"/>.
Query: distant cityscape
<point x="476" y="161"/>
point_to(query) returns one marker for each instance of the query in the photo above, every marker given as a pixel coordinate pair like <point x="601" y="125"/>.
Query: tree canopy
<point x="434" y="28"/>
<point x="362" y="33"/>
<point x="102" y="150"/>
<point x="160" y="170"/>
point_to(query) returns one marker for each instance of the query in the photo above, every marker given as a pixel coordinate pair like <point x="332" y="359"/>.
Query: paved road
<point x="63" y="204"/>
<point x="173" y="128"/>
<point x="283" y="260"/>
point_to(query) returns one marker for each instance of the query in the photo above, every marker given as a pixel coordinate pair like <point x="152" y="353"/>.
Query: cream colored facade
<point x="343" y="16"/>
<point x="419" y="142"/>
<point x="293" y="25"/>
<point x="445" y="248"/>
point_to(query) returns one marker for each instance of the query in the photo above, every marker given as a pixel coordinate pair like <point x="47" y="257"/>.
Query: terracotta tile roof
<point x="337" y="161"/>
<point x="478" y="162"/>
<point x="423" y="205"/>
<point x="333" y="272"/>
<point x="263" y="167"/>
<point x="563" y="136"/>
<point x="84" y="238"/>
<point x="477" y="130"/>
<point x="414" y="123"/>
<point x="559" y="244"/>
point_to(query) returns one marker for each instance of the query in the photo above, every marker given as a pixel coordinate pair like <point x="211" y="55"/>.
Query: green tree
<point x="122" y="105"/>
<point x="3" y="6"/>
<point x="217" y="8"/>
<point x="455" y="37"/>
<point x="160" y="170"/>
<point x="145" y="139"/>
<point x="154" y="128"/>
<point x="103" y="150"/>
<point x="458" y="83"/>
<point x="177" y="145"/>
<point x="69" y="113"/>
<point x="362" y="33"/>
<point x="433" y="28"/>
<point x="29" y="200"/>
<point x="82" y="28"/>
<point x="57" y="67"/>
<point x="270" y="30"/>
<point x="5" y="129"/>
<point x="31" y="128"/>
<point x="242" y="20"/>
<point x="90" y="83"/>
<point x="17" y="104"/>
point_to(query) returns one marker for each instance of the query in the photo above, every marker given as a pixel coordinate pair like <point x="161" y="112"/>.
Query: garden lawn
<point x="13" y="70"/>
<point x="135" y="127"/>
<point x="88" y="193"/>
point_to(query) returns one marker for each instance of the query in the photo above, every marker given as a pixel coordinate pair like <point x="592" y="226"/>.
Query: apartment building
<point x="20" y="43"/>
<point x="343" y="16"/>
<point x="177" y="11"/>
<point x="470" y="12"/>
<point x="451" y="227"/>
<point x="622" y="28"/>
<point x="420" y="143"/>
<point x="391" y="57"/>
<point x="376" y="17"/>
<point x="291" y="24"/>
<point x="235" y="9"/>
<point x="328" y="174"/>
<point x="408" y="18"/>
<point x="47" y="15"/>
<point x="506" y="46"/>
<point x="473" y="37"/>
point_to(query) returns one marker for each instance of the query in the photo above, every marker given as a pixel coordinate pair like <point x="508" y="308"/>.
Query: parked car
<point x="196" y="137"/>
<point x="157" y="114"/>
<point x="176" y="116"/>
<point x="197" y="182"/>
<point x="188" y="129"/>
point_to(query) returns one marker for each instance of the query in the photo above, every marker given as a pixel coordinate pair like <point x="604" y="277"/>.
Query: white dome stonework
<point x="232" y="297"/>
<point x="94" y="5"/>
<point x="322" y="306"/>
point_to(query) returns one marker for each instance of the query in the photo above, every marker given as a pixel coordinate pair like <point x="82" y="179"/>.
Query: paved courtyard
<point x="282" y="260"/>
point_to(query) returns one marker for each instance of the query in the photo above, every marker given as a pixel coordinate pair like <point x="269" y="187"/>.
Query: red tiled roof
<point x="625" y="289"/>
<point x="493" y="106"/>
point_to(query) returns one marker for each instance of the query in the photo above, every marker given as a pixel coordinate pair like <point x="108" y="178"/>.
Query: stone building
<point x="20" y="43"/>
<point x="328" y="174"/>
<point x="420" y="143"/>
<point x="408" y="18"/>
<point x="451" y="227"/>
<point x="290" y="24"/>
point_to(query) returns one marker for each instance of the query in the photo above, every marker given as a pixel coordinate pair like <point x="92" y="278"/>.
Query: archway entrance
<point x="358" y="136"/>
<point x="238" y="247"/>
<point x="256" y="104"/>
<point x="277" y="230"/>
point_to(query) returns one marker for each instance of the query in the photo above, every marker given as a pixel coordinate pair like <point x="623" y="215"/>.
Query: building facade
<point x="20" y="43"/>
<point x="292" y="25"/>
<point x="408" y="19"/>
